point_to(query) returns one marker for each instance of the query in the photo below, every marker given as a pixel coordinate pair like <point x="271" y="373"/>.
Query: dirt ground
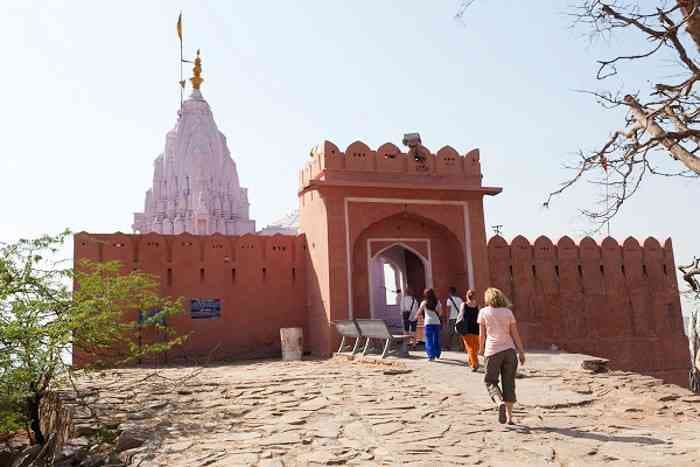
<point x="406" y="412"/>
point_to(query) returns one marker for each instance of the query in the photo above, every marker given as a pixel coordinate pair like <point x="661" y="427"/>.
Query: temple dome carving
<point x="195" y="182"/>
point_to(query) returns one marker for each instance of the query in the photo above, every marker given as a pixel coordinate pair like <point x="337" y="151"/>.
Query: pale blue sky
<point x="90" y="89"/>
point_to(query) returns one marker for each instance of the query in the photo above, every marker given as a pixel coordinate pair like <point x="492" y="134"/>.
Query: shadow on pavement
<point x="449" y="361"/>
<point x="574" y="433"/>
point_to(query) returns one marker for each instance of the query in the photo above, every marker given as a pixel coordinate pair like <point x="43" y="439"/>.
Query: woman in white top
<point x="498" y="341"/>
<point x="431" y="309"/>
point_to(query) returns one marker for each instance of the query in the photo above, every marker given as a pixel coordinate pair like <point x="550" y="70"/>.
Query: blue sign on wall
<point x="205" y="308"/>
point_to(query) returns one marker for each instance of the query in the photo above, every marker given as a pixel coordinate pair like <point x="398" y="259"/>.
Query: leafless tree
<point x="661" y="131"/>
<point x="691" y="272"/>
<point x="659" y="134"/>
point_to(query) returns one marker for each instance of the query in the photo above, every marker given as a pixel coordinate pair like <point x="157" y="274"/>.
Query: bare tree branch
<point x="462" y="8"/>
<point x="664" y="122"/>
<point x="691" y="10"/>
<point x="691" y="273"/>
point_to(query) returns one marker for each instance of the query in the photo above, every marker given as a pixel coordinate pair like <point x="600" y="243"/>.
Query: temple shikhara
<point x="412" y="211"/>
<point x="195" y="181"/>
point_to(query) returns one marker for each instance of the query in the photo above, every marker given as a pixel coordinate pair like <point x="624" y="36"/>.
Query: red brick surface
<point x="615" y="301"/>
<point x="260" y="281"/>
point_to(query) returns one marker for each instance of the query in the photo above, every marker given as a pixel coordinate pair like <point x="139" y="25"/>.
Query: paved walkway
<point x="412" y="412"/>
<point x="533" y="388"/>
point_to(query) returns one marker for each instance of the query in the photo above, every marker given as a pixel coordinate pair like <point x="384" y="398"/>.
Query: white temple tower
<point x="195" y="181"/>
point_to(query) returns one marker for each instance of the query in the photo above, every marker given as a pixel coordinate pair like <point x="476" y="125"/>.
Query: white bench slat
<point x="377" y="329"/>
<point x="347" y="327"/>
<point x="374" y="328"/>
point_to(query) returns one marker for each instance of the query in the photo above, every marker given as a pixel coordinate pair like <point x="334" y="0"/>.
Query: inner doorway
<point x="391" y="271"/>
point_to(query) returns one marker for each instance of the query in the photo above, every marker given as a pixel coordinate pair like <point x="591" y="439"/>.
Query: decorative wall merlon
<point x="359" y="161"/>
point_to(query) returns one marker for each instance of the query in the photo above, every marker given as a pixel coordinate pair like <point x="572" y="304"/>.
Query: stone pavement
<point x="400" y="412"/>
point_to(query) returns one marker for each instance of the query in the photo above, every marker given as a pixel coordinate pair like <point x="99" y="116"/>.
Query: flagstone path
<point x="410" y="412"/>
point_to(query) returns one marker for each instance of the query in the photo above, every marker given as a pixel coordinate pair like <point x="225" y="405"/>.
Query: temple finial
<point x="197" y="72"/>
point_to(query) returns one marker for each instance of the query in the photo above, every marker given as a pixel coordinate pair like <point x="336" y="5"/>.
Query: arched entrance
<point x="416" y="251"/>
<point x="394" y="268"/>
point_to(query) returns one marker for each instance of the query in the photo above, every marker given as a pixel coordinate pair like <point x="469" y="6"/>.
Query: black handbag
<point x="461" y="325"/>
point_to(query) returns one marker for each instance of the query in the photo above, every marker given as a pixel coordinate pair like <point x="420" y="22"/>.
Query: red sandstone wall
<point x="323" y="221"/>
<point x="343" y="193"/>
<point x="261" y="281"/>
<point x="313" y="222"/>
<point x="615" y="301"/>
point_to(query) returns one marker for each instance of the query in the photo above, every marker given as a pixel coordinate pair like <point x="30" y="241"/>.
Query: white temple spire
<point x="195" y="182"/>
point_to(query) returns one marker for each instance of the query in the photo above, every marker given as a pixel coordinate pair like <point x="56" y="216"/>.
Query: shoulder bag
<point x="461" y="325"/>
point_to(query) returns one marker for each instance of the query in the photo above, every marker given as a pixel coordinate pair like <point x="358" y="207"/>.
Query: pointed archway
<point x="434" y="253"/>
<point x="392" y="270"/>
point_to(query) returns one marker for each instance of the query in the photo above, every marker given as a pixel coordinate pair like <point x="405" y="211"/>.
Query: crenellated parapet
<point x="611" y="299"/>
<point x="388" y="164"/>
<point x="645" y="263"/>
<point x="185" y="254"/>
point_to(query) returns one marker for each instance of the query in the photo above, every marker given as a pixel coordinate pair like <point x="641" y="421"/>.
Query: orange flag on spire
<point x="179" y="26"/>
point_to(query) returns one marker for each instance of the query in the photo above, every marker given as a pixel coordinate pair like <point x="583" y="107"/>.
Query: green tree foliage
<point x="114" y="316"/>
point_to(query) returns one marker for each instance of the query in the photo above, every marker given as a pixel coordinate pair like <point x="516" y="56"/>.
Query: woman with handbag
<point x="431" y="309"/>
<point x="468" y="328"/>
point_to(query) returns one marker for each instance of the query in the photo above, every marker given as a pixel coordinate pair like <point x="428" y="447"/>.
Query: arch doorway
<point x="438" y="250"/>
<point x="395" y="268"/>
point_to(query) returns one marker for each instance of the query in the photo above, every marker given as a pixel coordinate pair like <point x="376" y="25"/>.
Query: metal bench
<point x="377" y="329"/>
<point x="347" y="328"/>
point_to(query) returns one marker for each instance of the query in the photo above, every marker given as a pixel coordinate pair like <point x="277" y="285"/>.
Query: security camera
<point x="411" y="140"/>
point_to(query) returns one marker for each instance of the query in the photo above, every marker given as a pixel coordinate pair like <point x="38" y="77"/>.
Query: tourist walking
<point x="453" y="304"/>
<point x="468" y="328"/>
<point x="409" y="315"/>
<point x="498" y="342"/>
<point x="431" y="309"/>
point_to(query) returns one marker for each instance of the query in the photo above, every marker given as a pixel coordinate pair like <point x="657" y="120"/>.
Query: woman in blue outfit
<point x="431" y="309"/>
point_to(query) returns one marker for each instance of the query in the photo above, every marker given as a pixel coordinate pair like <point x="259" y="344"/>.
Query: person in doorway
<point x="468" y="328"/>
<point x="431" y="309"/>
<point x="409" y="311"/>
<point x="453" y="304"/>
<point x="499" y="341"/>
